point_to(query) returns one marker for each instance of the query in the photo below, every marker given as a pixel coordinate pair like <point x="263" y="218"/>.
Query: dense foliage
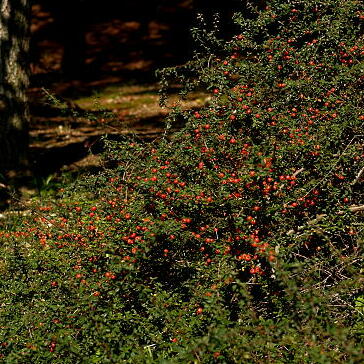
<point x="237" y="239"/>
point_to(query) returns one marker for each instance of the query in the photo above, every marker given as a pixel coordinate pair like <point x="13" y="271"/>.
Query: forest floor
<point x="66" y="132"/>
<point x="118" y="95"/>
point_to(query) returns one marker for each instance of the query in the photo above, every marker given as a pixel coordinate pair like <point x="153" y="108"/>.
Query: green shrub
<point x="237" y="239"/>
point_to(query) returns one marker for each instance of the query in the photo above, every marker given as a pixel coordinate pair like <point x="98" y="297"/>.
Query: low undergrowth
<point x="237" y="239"/>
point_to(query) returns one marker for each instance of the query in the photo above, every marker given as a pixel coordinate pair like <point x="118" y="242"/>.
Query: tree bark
<point x="14" y="81"/>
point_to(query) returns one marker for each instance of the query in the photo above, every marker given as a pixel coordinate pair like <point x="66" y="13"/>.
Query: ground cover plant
<point x="237" y="239"/>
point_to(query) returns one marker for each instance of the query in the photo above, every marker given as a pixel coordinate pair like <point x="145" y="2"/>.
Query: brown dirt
<point x="118" y="95"/>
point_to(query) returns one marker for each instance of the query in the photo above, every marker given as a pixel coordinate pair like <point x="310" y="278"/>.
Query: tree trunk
<point x="14" y="81"/>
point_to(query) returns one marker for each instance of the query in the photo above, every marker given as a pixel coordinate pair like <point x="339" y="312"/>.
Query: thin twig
<point x="356" y="208"/>
<point x="358" y="176"/>
<point x="298" y="171"/>
<point x="322" y="216"/>
<point x="333" y="165"/>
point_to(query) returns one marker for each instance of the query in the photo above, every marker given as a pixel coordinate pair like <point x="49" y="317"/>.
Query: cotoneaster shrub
<point x="237" y="239"/>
